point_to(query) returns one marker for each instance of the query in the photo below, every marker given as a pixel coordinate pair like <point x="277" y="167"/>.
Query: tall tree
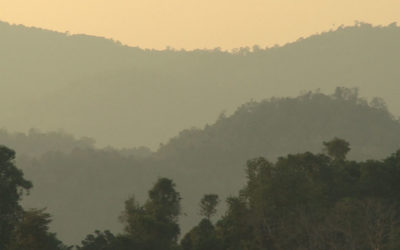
<point x="31" y="233"/>
<point x="154" y="225"/>
<point x="203" y="236"/>
<point x="12" y="186"/>
<point x="312" y="201"/>
<point x="106" y="241"/>
<point x="208" y="205"/>
<point x="337" y="148"/>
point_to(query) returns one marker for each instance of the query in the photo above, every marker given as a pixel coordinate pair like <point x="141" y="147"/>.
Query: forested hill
<point x="36" y="143"/>
<point x="127" y="96"/>
<point x="276" y="125"/>
<point x="214" y="157"/>
<point x="95" y="182"/>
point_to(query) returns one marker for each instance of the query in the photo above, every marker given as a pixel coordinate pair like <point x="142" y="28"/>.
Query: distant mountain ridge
<point x="86" y="187"/>
<point x="129" y="97"/>
<point x="126" y="97"/>
<point x="36" y="143"/>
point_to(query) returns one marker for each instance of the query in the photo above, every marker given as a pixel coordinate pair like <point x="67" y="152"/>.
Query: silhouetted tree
<point x="155" y="224"/>
<point x="337" y="148"/>
<point x="107" y="241"/>
<point x="311" y="201"/>
<point x="201" y="237"/>
<point x="31" y="233"/>
<point x="208" y="205"/>
<point x="12" y="186"/>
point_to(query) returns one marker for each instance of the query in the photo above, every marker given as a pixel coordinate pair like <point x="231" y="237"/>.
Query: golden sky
<point x="194" y="24"/>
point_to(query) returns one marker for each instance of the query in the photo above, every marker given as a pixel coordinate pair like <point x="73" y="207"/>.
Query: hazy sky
<point x="197" y="23"/>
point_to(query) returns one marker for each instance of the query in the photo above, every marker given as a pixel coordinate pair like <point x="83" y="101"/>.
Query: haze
<point x="199" y="125"/>
<point x="193" y="24"/>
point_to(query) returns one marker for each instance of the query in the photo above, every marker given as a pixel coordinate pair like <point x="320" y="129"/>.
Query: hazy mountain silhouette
<point x="36" y="143"/>
<point x="125" y="96"/>
<point x="87" y="187"/>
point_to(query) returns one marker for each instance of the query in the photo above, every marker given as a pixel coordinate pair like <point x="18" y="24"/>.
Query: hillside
<point x="128" y="97"/>
<point x="94" y="183"/>
<point x="36" y="143"/>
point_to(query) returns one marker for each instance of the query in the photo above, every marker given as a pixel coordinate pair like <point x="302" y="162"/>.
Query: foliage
<point x="106" y="241"/>
<point x="269" y="128"/>
<point x="154" y="225"/>
<point x="208" y="205"/>
<point x="311" y="201"/>
<point x="301" y="201"/>
<point x="337" y="148"/>
<point x="19" y="229"/>
<point x="31" y="233"/>
<point x="201" y="237"/>
<point x="12" y="186"/>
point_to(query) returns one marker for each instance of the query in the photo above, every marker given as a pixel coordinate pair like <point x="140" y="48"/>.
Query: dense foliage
<point x="312" y="201"/>
<point x="19" y="229"/>
<point x="301" y="201"/>
<point x="152" y="226"/>
<point x="12" y="186"/>
<point x="215" y="154"/>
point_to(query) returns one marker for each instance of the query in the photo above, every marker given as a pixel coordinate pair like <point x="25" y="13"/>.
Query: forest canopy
<point x="269" y="128"/>
<point x="300" y="201"/>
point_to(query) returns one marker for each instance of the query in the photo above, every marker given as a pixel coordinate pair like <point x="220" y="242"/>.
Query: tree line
<point x="300" y="201"/>
<point x="270" y="128"/>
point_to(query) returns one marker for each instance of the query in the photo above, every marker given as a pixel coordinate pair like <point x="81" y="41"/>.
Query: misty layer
<point x="198" y="160"/>
<point x="129" y="97"/>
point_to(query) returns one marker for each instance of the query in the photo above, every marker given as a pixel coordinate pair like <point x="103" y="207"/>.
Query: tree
<point x="154" y="225"/>
<point x="164" y="201"/>
<point x="365" y="223"/>
<point x="31" y="233"/>
<point x="12" y="186"/>
<point x="309" y="201"/>
<point x="208" y="205"/>
<point x="233" y="229"/>
<point x="106" y="241"/>
<point x="337" y="148"/>
<point x="201" y="237"/>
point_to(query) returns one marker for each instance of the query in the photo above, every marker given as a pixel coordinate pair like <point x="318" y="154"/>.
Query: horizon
<point x="230" y="51"/>
<point x="192" y="25"/>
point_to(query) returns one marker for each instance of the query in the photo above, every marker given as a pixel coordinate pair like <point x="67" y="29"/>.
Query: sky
<point x="192" y="24"/>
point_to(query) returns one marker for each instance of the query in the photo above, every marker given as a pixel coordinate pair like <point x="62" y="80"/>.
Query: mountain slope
<point x="86" y="188"/>
<point x="127" y="96"/>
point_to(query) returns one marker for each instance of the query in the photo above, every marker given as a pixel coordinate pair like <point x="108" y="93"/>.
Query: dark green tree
<point x="12" y="186"/>
<point x="31" y="233"/>
<point x="311" y="201"/>
<point x="106" y="241"/>
<point x="208" y="205"/>
<point x="201" y="237"/>
<point x="234" y="228"/>
<point x="337" y="148"/>
<point x="154" y="225"/>
<point x="164" y="200"/>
